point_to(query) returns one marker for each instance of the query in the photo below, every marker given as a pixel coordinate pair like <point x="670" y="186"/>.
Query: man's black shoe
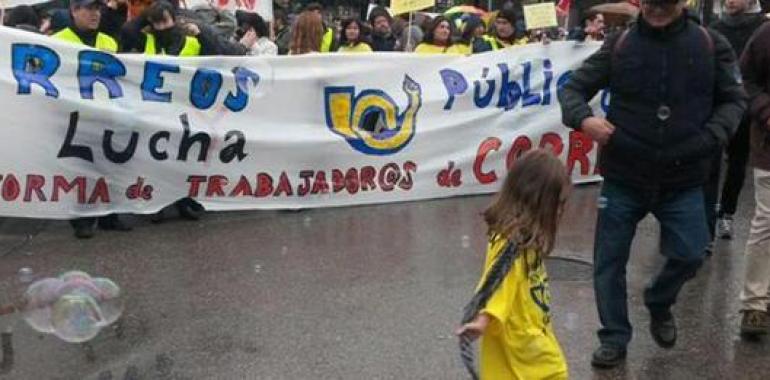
<point x="84" y="232"/>
<point x="608" y="356"/>
<point x="113" y="223"/>
<point x="187" y="212"/>
<point x="663" y="331"/>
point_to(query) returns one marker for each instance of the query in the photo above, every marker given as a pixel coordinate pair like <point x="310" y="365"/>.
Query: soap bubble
<point x="74" y="306"/>
<point x="109" y="300"/>
<point x="76" y="318"/>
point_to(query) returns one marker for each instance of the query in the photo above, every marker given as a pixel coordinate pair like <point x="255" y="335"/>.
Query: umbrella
<point x="617" y="13"/>
<point x="469" y="9"/>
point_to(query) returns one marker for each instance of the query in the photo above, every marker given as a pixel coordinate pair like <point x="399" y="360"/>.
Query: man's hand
<point x="191" y="29"/>
<point x="599" y="129"/>
<point x="475" y="328"/>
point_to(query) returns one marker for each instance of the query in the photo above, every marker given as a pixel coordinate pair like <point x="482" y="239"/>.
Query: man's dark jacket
<point x="755" y="65"/>
<point x="738" y="29"/>
<point x="676" y="98"/>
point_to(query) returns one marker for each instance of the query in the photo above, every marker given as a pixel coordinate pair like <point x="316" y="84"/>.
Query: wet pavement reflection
<point x="347" y="293"/>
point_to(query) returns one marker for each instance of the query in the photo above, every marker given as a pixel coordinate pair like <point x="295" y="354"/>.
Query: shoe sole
<point x="607" y="364"/>
<point x="662" y="343"/>
<point x="754" y="331"/>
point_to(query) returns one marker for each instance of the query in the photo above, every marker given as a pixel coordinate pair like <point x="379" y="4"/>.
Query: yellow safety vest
<point x="191" y="48"/>
<point x="103" y="41"/>
<point x="497" y="44"/>
<point x="326" y="42"/>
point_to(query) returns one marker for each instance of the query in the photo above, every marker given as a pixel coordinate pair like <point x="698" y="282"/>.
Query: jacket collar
<point x="672" y="29"/>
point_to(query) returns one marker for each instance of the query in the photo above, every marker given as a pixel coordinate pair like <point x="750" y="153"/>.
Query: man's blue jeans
<point x="684" y="236"/>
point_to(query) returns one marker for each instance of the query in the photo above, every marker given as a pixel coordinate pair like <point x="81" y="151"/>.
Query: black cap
<point x="84" y="3"/>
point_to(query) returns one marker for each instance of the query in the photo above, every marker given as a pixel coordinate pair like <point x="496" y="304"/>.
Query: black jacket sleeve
<point x="729" y="106"/>
<point x="480" y="46"/>
<point x="592" y="76"/>
<point x="208" y="41"/>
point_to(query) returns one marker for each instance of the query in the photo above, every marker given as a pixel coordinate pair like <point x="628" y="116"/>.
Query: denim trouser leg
<point x="684" y="235"/>
<point x="620" y="210"/>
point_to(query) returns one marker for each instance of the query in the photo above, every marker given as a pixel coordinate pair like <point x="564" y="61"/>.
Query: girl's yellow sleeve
<point x="501" y="301"/>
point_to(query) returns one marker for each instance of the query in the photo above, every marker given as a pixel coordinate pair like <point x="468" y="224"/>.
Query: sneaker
<point x="755" y="323"/>
<point x="608" y="356"/>
<point x="663" y="331"/>
<point x="725" y="227"/>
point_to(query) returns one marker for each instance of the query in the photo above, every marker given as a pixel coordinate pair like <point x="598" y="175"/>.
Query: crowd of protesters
<point x="169" y="27"/>
<point x="164" y="27"/>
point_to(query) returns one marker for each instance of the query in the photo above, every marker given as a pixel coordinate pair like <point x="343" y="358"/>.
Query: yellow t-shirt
<point x="360" y="47"/>
<point x="426" y="48"/>
<point x="519" y="342"/>
<point x="460" y="48"/>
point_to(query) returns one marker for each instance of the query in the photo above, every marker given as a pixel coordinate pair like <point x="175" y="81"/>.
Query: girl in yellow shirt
<point x="438" y="39"/>
<point x="351" y="40"/>
<point x="511" y="308"/>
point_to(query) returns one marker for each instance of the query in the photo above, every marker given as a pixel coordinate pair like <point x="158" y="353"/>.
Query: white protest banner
<point x="262" y="7"/>
<point x="87" y="133"/>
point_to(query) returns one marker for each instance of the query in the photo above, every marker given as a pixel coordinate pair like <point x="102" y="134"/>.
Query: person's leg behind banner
<point x="754" y="297"/>
<point x="684" y="236"/>
<point x="112" y="222"/>
<point x="737" y="159"/>
<point x="189" y="209"/>
<point x="620" y="208"/>
<point x="83" y="227"/>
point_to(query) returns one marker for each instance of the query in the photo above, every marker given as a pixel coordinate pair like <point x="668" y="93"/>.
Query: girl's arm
<point x="475" y="328"/>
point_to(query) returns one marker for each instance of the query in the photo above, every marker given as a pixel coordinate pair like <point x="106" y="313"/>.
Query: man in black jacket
<point x="382" y="33"/>
<point x="737" y="24"/>
<point x="676" y="100"/>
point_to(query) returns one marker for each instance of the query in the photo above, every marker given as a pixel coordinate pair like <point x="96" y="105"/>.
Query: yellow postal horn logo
<point x="370" y="121"/>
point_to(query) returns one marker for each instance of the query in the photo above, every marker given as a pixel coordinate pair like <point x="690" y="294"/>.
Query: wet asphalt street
<point x="348" y="293"/>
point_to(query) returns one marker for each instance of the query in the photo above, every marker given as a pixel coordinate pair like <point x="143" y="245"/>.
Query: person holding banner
<point x="328" y="43"/>
<point x="306" y="34"/>
<point x="253" y="34"/>
<point x="164" y="36"/>
<point x="677" y="98"/>
<point x="504" y="34"/>
<point x="86" y="15"/>
<point x="352" y="39"/>
<point x="472" y="29"/>
<point x="438" y="38"/>
<point x="382" y="33"/>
